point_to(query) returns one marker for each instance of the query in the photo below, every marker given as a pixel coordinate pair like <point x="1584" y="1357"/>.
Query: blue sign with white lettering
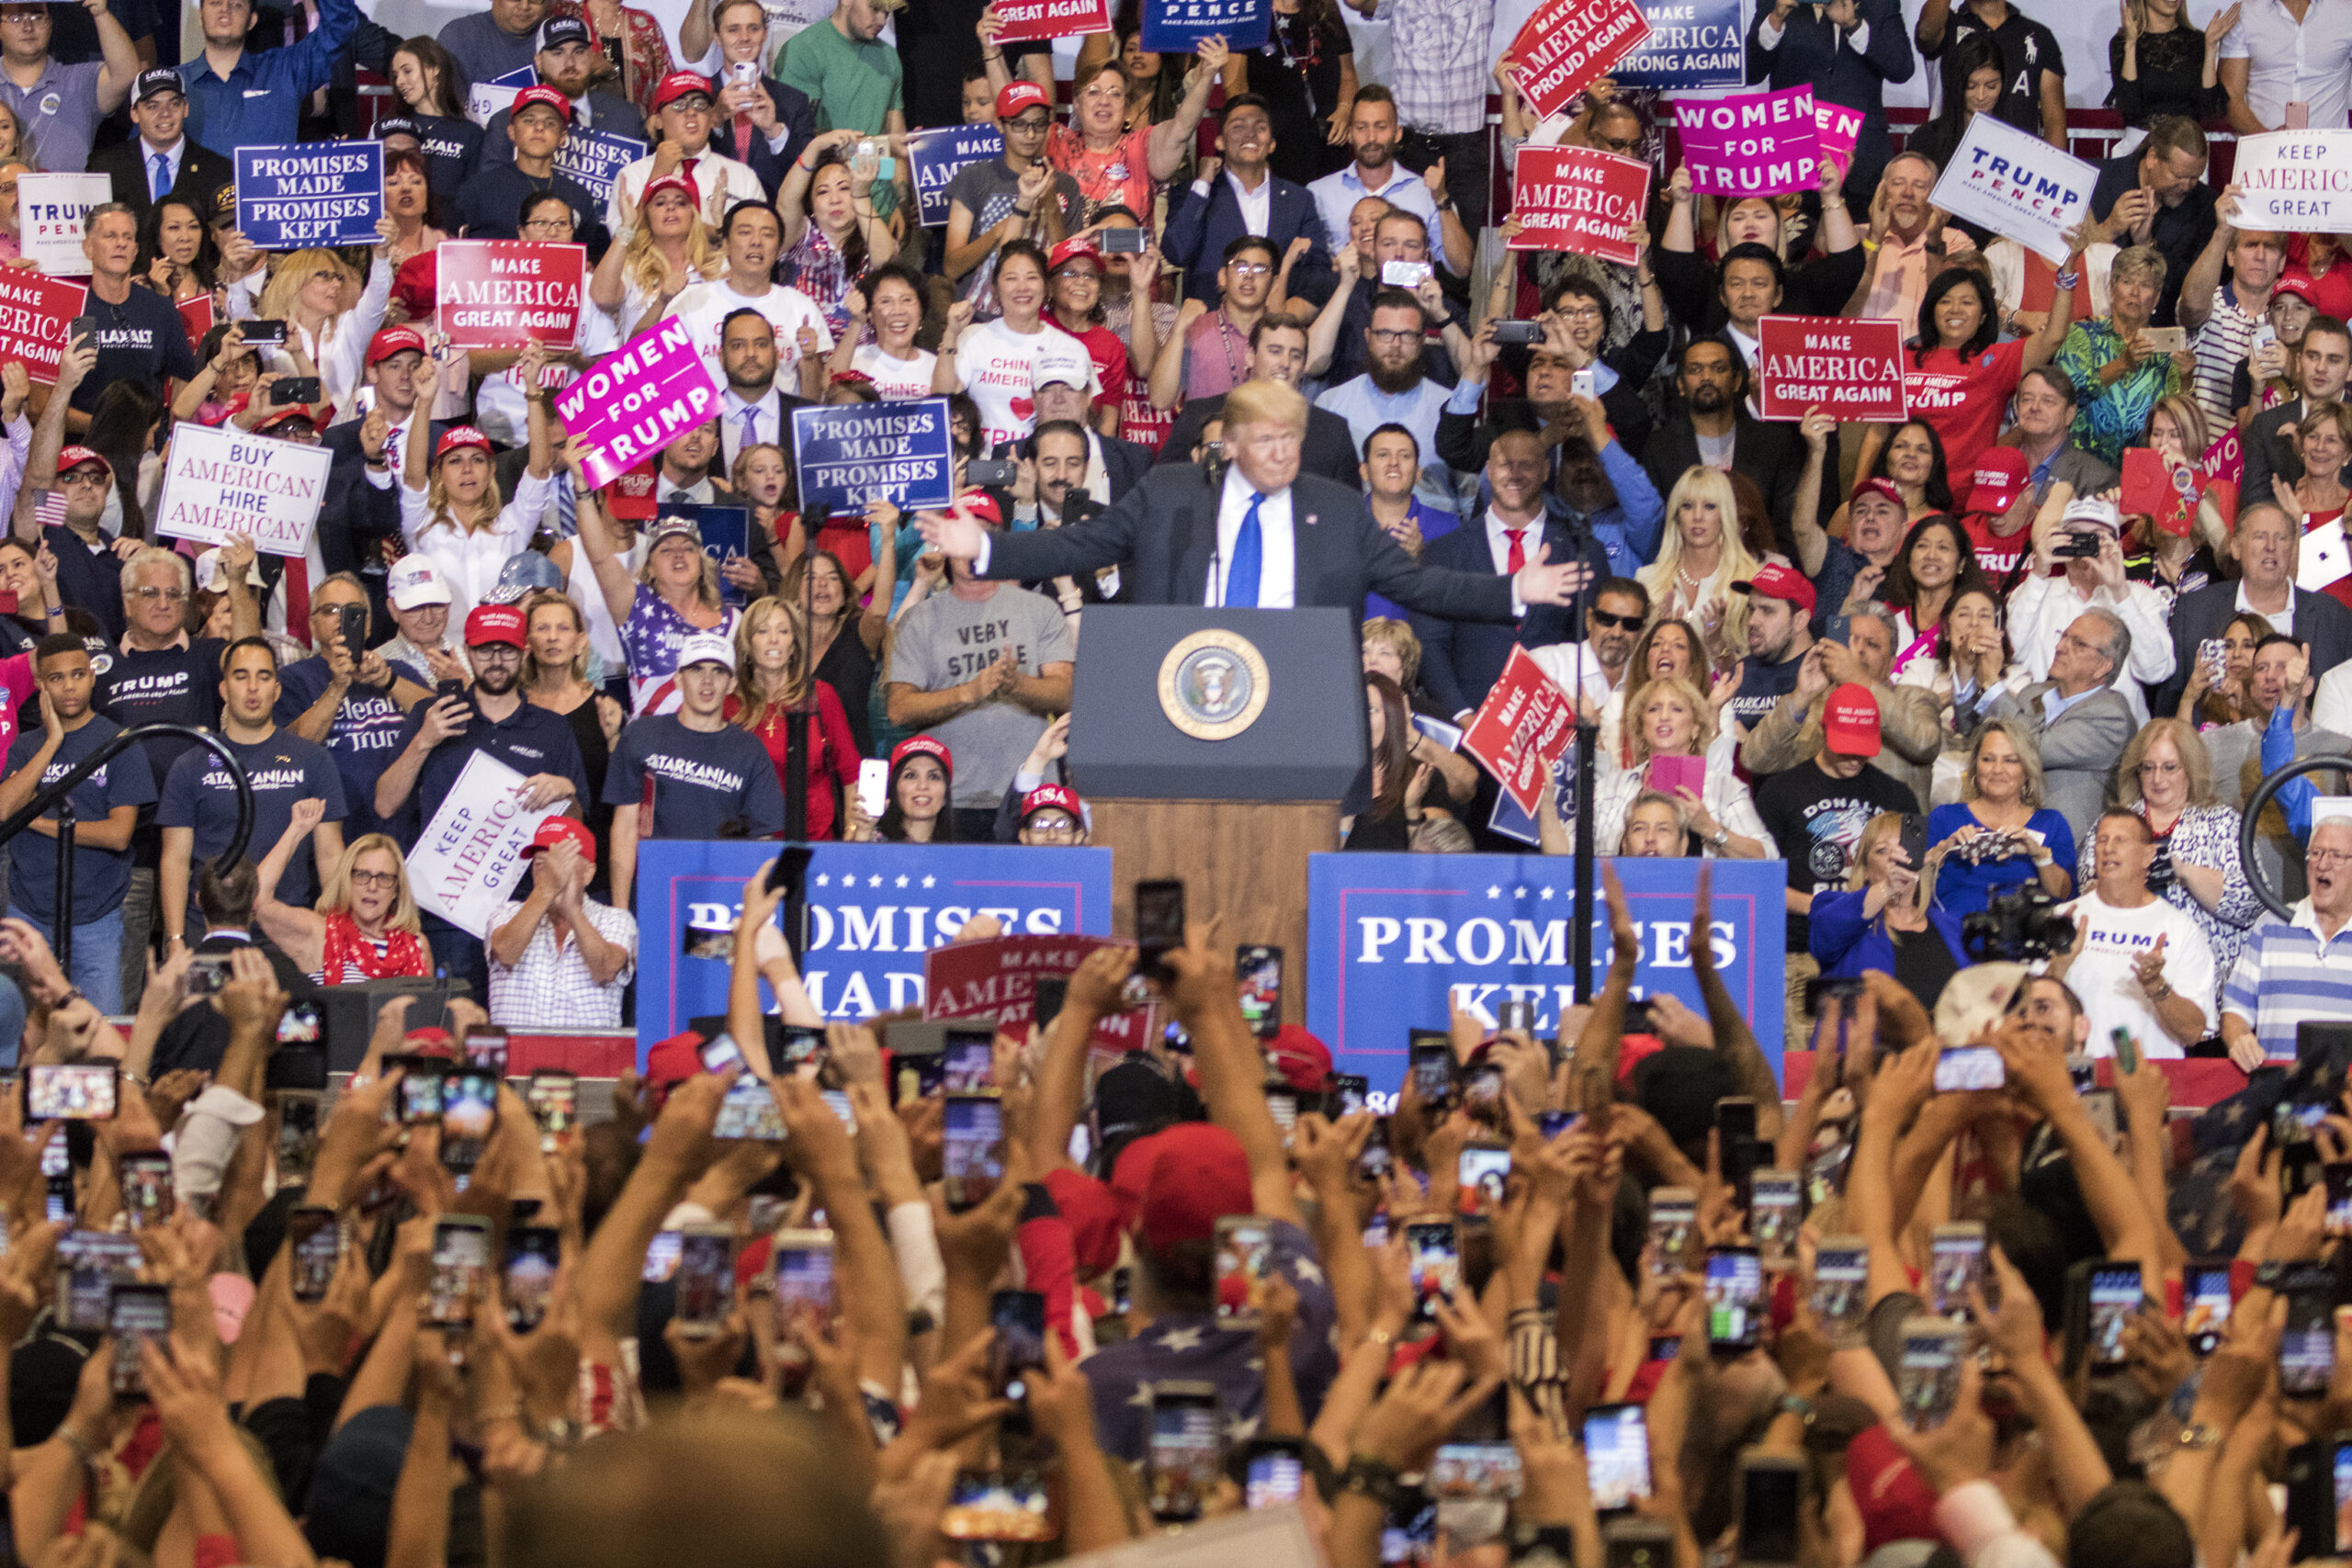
<point x="1390" y="937"/>
<point x="849" y="453"/>
<point x="1692" y="44"/>
<point x="935" y="157"/>
<point x="1177" y="27"/>
<point x="319" y="193"/>
<point x="592" y="160"/>
<point x="873" y="911"/>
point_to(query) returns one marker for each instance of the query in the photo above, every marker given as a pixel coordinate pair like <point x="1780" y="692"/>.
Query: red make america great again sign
<point x="1849" y="369"/>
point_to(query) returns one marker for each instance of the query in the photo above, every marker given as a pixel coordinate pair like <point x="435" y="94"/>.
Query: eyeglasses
<point x="2327" y="857"/>
<point x="1621" y="623"/>
<point x="1061" y="829"/>
<point x="1249" y="269"/>
<point x="494" y="650"/>
<point x="1581" y="314"/>
<point x="2146" y="768"/>
<point x="1032" y="127"/>
<point x="550" y="224"/>
<point x="168" y="595"/>
<point x="375" y="879"/>
<point x="1383" y="334"/>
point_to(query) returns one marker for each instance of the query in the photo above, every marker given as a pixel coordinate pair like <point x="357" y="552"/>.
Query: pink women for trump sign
<point x="1751" y="143"/>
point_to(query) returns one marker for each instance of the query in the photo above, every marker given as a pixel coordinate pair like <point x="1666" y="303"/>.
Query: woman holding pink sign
<point x="1672" y="725"/>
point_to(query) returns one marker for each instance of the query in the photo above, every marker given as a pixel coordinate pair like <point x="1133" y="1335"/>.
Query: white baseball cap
<point x="414" y="582"/>
<point x="2095" y="513"/>
<point x="707" y="647"/>
<point x="1067" y="362"/>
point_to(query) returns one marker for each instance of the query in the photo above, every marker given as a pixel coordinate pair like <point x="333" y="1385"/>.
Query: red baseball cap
<point x="544" y="94"/>
<point x="922" y="745"/>
<point x="2000" y="479"/>
<point x="497" y="623"/>
<point x="1052" y="797"/>
<point x="1020" y="96"/>
<point x="457" y="437"/>
<point x="678" y="183"/>
<point x="1895" y="1502"/>
<point x="558" y="829"/>
<point x="299" y="410"/>
<point x="391" y="340"/>
<point x="1078" y="247"/>
<point x="431" y="1041"/>
<point x="1850" y="721"/>
<point x="673" y="1060"/>
<point x="1304" y="1061"/>
<point x="1773" y="581"/>
<point x="982" y="505"/>
<point x="73" y="457"/>
<point x="1092" y="1214"/>
<point x="1880" y="487"/>
<point x="2300" y="284"/>
<point x="676" y="85"/>
<point x="1180" y="1181"/>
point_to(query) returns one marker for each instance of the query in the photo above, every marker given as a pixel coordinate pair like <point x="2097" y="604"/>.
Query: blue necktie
<point x="1249" y="547"/>
<point x="163" y="180"/>
<point x="751" y="430"/>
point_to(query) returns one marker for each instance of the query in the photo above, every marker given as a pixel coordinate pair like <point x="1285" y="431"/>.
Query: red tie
<point x="1517" y="557"/>
<point x="743" y="137"/>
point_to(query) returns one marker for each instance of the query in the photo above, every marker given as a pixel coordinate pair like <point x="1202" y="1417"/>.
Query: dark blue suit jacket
<point x="1199" y="228"/>
<point x="1817" y="52"/>
<point x="1461" y="660"/>
<point x="798" y="118"/>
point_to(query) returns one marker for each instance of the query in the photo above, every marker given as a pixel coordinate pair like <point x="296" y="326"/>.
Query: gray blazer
<point x="2079" y="750"/>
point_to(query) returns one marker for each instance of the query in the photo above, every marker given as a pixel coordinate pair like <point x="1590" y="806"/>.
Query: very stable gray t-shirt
<point x="947" y="640"/>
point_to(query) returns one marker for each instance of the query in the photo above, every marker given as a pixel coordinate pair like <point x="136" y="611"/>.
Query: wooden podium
<point x="1214" y="746"/>
<point x="1243" y="861"/>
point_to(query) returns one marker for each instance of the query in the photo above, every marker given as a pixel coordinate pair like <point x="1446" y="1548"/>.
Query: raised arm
<point x="613" y="574"/>
<point x="1232" y="1070"/>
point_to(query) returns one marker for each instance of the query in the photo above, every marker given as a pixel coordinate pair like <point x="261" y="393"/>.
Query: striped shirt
<point x="2286" y="973"/>
<point x="2221" y="346"/>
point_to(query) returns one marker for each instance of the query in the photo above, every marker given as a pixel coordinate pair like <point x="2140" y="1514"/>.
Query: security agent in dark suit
<point x="1205" y="216"/>
<point x="2266" y="541"/>
<point x="567" y="61"/>
<point x="197" y="1036"/>
<point x="1256" y="533"/>
<point x="1277" y="353"/>
<point x="1715" y="403"/>
<point x="2322" y="362"/>
<point x="192" y="173"/>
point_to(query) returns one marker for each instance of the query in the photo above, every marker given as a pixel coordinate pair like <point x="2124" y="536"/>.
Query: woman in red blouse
<point x="645" y="53"/>
<point x="772" y="677"/>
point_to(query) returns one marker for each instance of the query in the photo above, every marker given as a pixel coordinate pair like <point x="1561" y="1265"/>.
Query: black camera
<point x="2016" y="927"/>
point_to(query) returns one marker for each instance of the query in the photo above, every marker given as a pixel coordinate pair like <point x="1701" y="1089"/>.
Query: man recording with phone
<point x="140" y="337"/>
<point x="346" y="696"/>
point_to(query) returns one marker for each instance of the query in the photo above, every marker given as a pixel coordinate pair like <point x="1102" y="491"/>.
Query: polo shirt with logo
<point x="200" y="792"/>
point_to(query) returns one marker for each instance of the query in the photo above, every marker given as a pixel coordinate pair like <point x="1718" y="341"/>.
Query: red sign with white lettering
<point x="34" y="313"/>
<point x="997" y="979"/>
<point x="1849" y="369"/>
<point x="1521" y="728"/>
<point x="1028" y="19"/>
<point x="503" y="293"/>
<point x="1578" y="198"/>
<point x="1568" y="44"/>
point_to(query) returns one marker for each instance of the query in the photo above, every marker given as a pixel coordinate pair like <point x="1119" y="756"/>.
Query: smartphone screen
<point x="1185" y="1451"/>
<point x="1774" y="1214"/>
<point x="2339" y="1198"/>
<point x="1474" y="1470"/>
<point x="1926" y="1380"/>
<point x="1349" y="1094"/>
<point x="147" y="1189"/>
<point x="705" y="1280"/>
<point x="421" y="1080"/>
<point x="1768" y="1510"/>
<point x="804" y="1281"/>
<point x="460" y="1265"/>
<point x="2205" y="1292"/>
<point x="1433" y="1254"/>
<point x="1961" y="1068"/>
<point x="1160" y="927"/>
<point x="660" y="1257"/>
<point x="1735" y="1298"/>
<point x="748" y="1110"/>
<point x="1485" y="1171"/>
<point x="75" y="1092"/>
<point x="1433" y="1071"/>
<point x="991" y="1505"/>
<point x="554" y="1099"/>
<point x="967" y="1061"/>
<point x="89" y="1265"/>
<point x="485" y="1048"/>
<point x="1955" y="1263"/>
<point x="1482" y="1092"/>
<point x="2307" y="1346"/>
<point x="1376" y="1159"/>
<point x="136" y="1314"/>
<point x="2127" y="1050"/>
<point x="2114" y="1297"/>
<point x="800" y="1048"/>
<point x="1244" y="1245"/>
<point x="532" y="1253"/>
<point x="719" y="1053"/>
<point x="1552" y="1123"/>
<point x="1019" y="1348"/>
<point x="1260" y="971"/>
<point x="1273" y="1477"/>
<point x="469" y="1112"/>
<point x="1841" y="1270"/>
<point x="1616" y="1456"/>
<point x="316" y="1238"/>
<point x="972" y="1149"/>
<point x="1674" y="1218"/>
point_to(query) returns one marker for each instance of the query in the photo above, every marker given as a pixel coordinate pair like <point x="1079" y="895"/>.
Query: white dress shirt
<point x="767" y="422"/>
<point x="1257" y="206"/>
<point x="1531" y="534"/>
<point x="2290" y="61"/>
<point x="1278" y="553"/>
<point x="171" y="156"/>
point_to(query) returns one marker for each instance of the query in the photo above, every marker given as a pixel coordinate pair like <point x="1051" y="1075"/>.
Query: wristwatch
<point x="2199" y="1437"/>
<point x="1723" y="836"/>
<point x="1367" y="1476"/>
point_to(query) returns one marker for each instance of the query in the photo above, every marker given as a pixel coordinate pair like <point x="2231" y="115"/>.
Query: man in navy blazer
<point x="1462" y="659"/>
<point x="1213" y="211"/>
<point x="1847" y="52"/>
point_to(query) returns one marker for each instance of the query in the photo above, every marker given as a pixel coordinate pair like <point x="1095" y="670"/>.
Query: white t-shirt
<point x="705" y="306"/>
<point x="2103" y="979"/>
<point x="999" y="369"/>
<point x="897" y="379"/>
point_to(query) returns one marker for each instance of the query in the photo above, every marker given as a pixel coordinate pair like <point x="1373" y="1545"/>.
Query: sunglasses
<point x="1620" y="622"/>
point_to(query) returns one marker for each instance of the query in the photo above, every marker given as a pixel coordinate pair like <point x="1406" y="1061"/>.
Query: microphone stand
<point x="1577" y="527"/>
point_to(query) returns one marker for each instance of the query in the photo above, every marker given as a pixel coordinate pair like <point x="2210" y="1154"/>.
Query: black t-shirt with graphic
<point x="141" y="340"/>
<point x="1816" y="820"/>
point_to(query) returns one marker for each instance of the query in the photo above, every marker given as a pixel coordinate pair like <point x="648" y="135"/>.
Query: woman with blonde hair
<point x="1877" y="921"/>
<point x="1999" y="836"/>
<point x="310" y="291"/>
<point x="2166" y="777"/>
<point x="673" y="594"/>
<point x="450" y="505"/>
<point x="1668" y="719"/>
<point x="773" y="689"/>
<point x="2316" y="501"/>
<point x="1699" y="560"/>
<point x="366" y="925"/>
<point x="16" y="141"/>
<point x="669" y="249"/>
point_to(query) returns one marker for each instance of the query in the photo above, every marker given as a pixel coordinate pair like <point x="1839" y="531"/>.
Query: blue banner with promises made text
<point x="319" y="193"/>
<point x="873" y="911"/>
<point x="1391" y="937"/>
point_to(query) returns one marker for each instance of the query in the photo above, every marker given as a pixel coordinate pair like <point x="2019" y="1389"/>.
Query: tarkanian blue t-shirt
<point x="99" y="875"/>
<point x="701" y="779"/>
<point x="364" y="739"/>
<point x="199" y="792"/>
